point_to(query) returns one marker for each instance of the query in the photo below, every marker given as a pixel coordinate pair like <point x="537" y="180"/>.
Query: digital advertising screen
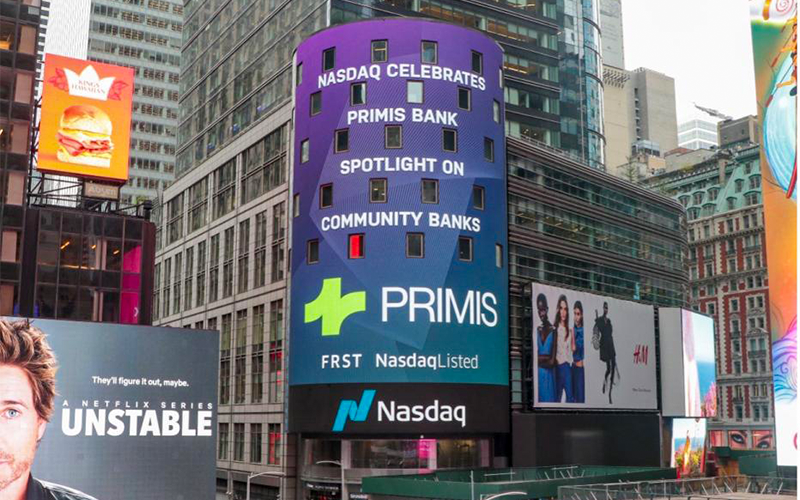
<point x="110" y="411"/>
<point x="774" y="30"/>
<point x="689" y="446"/>
<point x="591" y="351"/>
<point x="399" y="274"/>
<point x="688" y="367"/>
<point x="85" y="119"/>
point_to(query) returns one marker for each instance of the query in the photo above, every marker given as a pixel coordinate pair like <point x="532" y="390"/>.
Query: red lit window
<point x="355" y="246"/>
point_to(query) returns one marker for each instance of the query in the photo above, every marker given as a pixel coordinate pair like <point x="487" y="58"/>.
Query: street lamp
<point x="343" y="489"/>
<point x="256" y="474"/>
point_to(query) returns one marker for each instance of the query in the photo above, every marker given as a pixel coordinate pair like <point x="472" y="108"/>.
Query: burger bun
<point x="86" y="118"/>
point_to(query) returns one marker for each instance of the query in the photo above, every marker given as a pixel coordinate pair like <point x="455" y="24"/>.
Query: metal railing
<point x="712" y="488"/>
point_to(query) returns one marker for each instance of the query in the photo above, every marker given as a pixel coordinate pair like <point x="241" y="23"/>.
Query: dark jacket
<point x="42" y="490"/>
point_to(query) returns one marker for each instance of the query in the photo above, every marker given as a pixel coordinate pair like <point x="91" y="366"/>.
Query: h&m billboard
<point x="111" y="411"/>
<point x="86" y="119"/>
<point x="591" y="351"/>
<point x="399" y="276"/>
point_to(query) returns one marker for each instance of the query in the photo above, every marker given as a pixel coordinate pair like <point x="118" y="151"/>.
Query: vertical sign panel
<point x="774" y="29"/>
<point x="399" y="276"/>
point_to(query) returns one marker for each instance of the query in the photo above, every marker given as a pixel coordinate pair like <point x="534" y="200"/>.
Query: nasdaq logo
<point x="357" y="412"/>
<point x="334" y="308"/>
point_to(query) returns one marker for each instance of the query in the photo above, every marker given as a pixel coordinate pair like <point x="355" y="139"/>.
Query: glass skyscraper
<point x="146" y="36"/>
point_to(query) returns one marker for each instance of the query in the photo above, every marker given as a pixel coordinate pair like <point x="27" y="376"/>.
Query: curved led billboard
<point x="399" y="277"/>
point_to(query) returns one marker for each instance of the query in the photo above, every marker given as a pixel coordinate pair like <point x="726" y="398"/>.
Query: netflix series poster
<point x="134" y="414"/>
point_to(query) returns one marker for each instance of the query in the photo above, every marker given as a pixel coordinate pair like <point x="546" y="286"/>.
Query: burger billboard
<point x="85" y="119"/>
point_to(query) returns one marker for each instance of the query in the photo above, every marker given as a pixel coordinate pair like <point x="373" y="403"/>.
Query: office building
<point x="739" y="133"/>
<point x="611" y="27"/>
<point x="727" y="262"/>
<point x="640" y="115"/>
<point x="145" y="36"/>
<point x="19" y="34"/>
<point x="698" y="134"/>
<point x="224" y="239"/>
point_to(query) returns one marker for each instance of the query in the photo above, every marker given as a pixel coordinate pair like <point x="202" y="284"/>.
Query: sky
<point x="704" y="45"/>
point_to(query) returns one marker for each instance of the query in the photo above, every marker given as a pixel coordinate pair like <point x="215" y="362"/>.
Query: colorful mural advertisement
<point x="689" y="446"/>
<point x="774" y="30"/>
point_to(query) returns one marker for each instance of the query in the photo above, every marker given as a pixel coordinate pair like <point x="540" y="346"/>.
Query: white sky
<point x="704" y="45"/>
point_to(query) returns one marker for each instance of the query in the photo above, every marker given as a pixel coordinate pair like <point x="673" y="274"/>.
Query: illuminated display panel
<point x="85" y="119"/>
<point x="775" y="64"/>
<point x="591" y="351"/>
<point x="406" y="305"/>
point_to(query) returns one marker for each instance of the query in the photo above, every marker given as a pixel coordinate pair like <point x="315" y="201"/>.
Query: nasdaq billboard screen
<point x="399" y="275"/>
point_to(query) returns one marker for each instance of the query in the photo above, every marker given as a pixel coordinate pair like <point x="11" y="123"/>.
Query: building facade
<point x="640" y="115"/>
<point x="729" y="281"/>
<point x="223" y="240"/>
<point x="698" y="134"/>
<point x="613" y="37"/>
<point x="145" y="36"/>
<point x="19" y="35"/>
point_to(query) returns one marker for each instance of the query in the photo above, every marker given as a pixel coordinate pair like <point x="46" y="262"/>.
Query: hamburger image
<point x="84" y="136"/>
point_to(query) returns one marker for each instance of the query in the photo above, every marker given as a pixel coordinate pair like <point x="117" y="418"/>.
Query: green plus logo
<point x="334" y="308"/>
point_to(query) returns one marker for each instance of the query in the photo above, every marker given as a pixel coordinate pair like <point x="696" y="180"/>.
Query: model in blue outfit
<point x="564" y="350"/>
<point x="546" y="354"/>
<point x="578" y="382"/>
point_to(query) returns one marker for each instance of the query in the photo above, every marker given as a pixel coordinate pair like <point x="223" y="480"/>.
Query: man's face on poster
<point x="20" y="425"/>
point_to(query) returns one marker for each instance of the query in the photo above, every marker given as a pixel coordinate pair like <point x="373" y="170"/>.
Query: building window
<point x="377" y="191"/>
<point x="380" y="51"/>
<point x="731" y="265"/>
<point x="255" y="443"/>
<point x="414" y="92"/>
<point x="227" y="263"/>
<point x="737" y="367"/>
<point x="358" y="93"/>
<point x="244" y="256"/>
<point x="278" y="236"/>
<point x="477" y="62"/>
<point x="355" y="246"/>
<point x="238" y="442"/>
<point x="326" y="196"/>
<point x="257" y="358"/>
<point x="464" y="98"/>
<point x="304" y="153"/>
<point x="415" y="245"/>
<point x="751" y="199"/>
<point x="449" y="140"/>
<point x="393" y="136"/>
<point x="465" y="248"/>
<point x="731" y="203"/>
<point x="296" y="205"/>
<point x="316" y="103"/>
<point x="488" y="149"/>
<point x="329" y="59"/>
<point x="711" y="309"/>
<point x="478" y="197"/>
<point x="498" y="255"/>
<point x="755" y="182"/>
<point x="312" y="251"/>
<point x="224" y="438"/>
<point x="299" y="74"/>
<point x="737" y="346"/>
<point x="496" y="111"/>
<point x="734" y="305"/>
<point x="342" y="142"/>
<point x="274" y="451"/>
<point x="430" y="191"/>
<point x="430" y="52"/>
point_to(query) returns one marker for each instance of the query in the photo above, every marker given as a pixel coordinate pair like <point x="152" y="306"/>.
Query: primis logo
<point x="348" y="409"/>
<point x="334" y="308"/>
